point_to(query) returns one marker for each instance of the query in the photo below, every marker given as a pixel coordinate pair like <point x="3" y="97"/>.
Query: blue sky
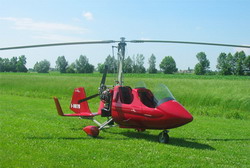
<point x="36" y="22"/>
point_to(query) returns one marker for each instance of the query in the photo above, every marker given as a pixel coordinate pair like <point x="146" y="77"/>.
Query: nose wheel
<point x="163" y="137"/>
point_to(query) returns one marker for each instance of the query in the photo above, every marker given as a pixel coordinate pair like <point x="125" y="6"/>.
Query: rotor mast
<point x="121" y="56"/>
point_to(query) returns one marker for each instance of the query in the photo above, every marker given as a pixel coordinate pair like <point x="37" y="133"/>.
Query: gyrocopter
<point x="138" y="108"/>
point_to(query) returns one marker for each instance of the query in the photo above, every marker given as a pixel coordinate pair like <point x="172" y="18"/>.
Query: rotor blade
<point x="87" y="98"/>
<point x="104" y="75"/>
<point x="58" y="44"/>
<point x="189" y="42"/>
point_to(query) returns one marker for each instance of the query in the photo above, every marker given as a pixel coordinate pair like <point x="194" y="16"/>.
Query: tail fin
<point x="83" y="107"/>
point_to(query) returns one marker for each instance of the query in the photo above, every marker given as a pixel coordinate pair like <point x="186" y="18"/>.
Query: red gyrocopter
<point x="138" y="108"/>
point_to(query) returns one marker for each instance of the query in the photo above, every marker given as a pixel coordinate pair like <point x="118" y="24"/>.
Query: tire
<point x="163" y="137"/>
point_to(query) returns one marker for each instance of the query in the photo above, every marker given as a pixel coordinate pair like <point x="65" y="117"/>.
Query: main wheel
<point x="163" y="137"/>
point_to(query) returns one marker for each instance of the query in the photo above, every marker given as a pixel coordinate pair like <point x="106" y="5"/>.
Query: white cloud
<point x="30" y="24"/>
<point x="88" y="16"/>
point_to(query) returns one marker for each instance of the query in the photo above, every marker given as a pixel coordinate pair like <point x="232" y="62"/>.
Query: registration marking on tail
<point x="76" y="106"/>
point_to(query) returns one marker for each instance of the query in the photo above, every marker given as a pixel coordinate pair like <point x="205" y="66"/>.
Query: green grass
<point x="33" y="135"/>
<point x="208" y="95"/>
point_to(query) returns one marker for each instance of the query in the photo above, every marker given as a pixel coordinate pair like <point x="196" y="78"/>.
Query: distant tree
<point x="1" y="65"/>
<point x="128" y="65"/>
<point x="6" y="65"/>
<point x="100" y="67"/>
<point x="231" y="62"/>
<point x="83" y="66"/>
<point x="203" y="66"/>
<point x="71" y="68"/>
<point x="111" y="62"/>
<point x="138" y="64"/>
<point x="134" y="66"/>
<point x="152" y="62"/>
<point x="239" y="58"/>
<point x="20" y="67"/>
<point x="42" y="66"/>
<point x="13" y="64"/>
<point x="61" y="64"/>
<point x="247" y="65"/>
<point x="168" y="65"/>
<point x="223" y="64"/>
<point x="198" y="69"/>
<point x="90" y="68"/>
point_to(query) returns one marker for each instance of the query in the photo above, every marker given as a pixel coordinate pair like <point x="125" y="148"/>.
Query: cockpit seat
<point x="126" y="95"/>
<point x="147" y="98"/>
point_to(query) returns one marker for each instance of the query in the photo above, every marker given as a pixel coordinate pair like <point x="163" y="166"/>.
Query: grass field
<point x="33" y="135"/>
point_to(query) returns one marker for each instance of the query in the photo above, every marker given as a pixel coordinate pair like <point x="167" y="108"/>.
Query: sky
<point x="29" y="22"/>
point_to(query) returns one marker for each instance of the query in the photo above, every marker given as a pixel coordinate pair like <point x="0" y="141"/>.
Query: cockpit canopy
<point x="155" y="96"/>
<point x="149" y="97"/>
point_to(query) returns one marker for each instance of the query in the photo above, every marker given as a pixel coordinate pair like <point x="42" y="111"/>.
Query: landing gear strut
<point x="93" y="131"/>
<point x="163" y="137"/>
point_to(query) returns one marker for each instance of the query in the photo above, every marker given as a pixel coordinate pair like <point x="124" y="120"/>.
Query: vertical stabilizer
<point x="83" y="107"/>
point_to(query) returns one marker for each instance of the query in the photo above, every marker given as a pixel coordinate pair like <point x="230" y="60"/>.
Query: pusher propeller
<point x="101" y="89"/>
<point x="104" y="76"/>
<point x="88" y="98"/>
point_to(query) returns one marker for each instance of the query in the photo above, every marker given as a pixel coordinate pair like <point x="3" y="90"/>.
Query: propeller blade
<point x="189" y="42"/>
<point x="88" y="98"/>
<point x="104" y="75"/>
<point x="101" y="86"/>
<point x="58" y="44"/>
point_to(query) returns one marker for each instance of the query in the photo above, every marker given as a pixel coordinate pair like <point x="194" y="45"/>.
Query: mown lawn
<point x="33" y="135"/>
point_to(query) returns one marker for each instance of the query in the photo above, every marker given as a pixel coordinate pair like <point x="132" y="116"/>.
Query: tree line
<point x="227" y="64"/>
<point x="130" y="65"/>
<point x="13" y="65"/>
<point x="81" y="65"/>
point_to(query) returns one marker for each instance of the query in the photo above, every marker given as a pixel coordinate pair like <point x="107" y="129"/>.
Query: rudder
<point x="83" y="107"/>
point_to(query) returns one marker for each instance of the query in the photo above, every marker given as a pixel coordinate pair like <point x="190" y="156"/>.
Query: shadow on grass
<point x="50" y="138"/>
<point x="225" y="140"/>
<point x="189" y="144"/>
<point x="76" y="129"/>
<point x="181" y="142"/>
<point x="64" y="138"/>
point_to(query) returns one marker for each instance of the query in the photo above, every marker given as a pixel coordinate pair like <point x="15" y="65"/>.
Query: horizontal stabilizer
<point x="81" y="114"/>
<point x="58" y="106"/>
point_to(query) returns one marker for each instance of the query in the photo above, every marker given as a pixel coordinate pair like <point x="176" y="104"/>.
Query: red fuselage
<point x="136" y="108"/>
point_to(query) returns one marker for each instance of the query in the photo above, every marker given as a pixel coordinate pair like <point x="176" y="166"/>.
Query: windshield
<point x="160" y="93"/>
<point x="140" y="84"/>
